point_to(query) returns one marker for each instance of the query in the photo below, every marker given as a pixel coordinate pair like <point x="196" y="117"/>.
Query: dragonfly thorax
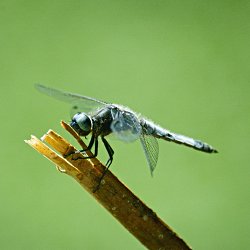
<point x="82" y="124"/>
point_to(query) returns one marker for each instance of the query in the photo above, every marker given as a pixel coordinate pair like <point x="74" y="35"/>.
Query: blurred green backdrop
<point x="184" y="64"/>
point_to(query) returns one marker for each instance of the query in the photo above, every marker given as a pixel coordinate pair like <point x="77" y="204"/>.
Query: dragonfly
<point x="100" y="119"/>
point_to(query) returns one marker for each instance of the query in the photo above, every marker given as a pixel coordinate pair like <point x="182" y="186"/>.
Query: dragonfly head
<point x="82" y="124"/>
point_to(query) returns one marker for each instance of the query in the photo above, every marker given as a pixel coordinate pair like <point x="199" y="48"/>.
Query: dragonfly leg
<point x="94" y="140"/>
<point x="110" y="153"/>
<point x="91" y="143"/>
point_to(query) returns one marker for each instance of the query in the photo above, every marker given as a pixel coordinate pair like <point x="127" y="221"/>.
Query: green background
<point x="184" y="64"/>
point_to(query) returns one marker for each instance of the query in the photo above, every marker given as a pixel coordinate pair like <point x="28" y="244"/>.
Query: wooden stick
<point x="128" y="209"/>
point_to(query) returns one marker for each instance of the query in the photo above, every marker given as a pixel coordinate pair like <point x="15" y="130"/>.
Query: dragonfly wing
<point x="126" y="126"/>
<point x="79" y="103"/>
<point x="151" y="149"/>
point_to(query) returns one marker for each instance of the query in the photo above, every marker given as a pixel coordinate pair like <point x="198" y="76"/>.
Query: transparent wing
<point x="151" y="149"/>
<point x="126" y="126"/>
<point x="79" y="103"/>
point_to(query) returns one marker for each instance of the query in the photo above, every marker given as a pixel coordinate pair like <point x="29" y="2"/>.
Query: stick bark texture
<point x="126" y="207"/>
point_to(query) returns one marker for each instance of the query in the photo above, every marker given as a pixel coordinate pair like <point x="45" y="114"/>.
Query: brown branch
<point x="128" y="209"/>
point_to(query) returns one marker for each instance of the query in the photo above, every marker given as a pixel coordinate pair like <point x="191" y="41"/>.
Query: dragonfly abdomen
<point x="161" y="133"/>
<point x="190" y="142"/>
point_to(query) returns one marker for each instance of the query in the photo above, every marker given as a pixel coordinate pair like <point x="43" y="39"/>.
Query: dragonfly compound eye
<point x="82" y="123"/>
